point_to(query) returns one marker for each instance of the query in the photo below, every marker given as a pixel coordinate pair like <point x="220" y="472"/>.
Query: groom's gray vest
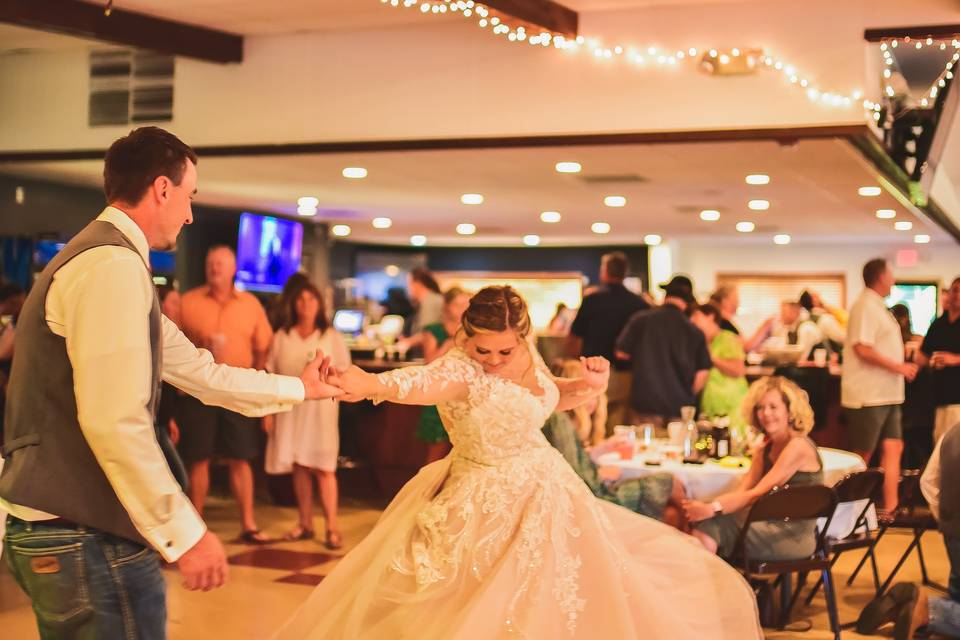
<point x="48" y="464"/>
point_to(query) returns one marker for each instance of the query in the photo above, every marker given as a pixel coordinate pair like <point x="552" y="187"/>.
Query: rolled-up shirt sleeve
<point x="248" y="391"/>
<point x="106" y="328"/>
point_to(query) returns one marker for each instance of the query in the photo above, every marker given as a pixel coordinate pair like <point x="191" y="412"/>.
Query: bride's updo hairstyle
<point x="496" y="309"/>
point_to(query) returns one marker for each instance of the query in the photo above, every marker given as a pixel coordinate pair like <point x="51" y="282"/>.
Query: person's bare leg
<point x="303" y="488"/>
<point x="890" y="452"/>
<point x="708" y="543"/>
<point x="199" y="484"/>
<point x="241" y="481"/>
<point x="329" y="499"/>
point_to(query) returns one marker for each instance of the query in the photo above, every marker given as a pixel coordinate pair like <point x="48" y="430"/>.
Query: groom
<point x="93" y="489"/>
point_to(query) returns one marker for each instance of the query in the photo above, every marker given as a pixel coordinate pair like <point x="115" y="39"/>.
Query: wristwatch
<point x="717" y="507"/>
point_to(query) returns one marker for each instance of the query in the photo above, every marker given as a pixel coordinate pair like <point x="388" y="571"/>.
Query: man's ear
<point x="161" y="188"/>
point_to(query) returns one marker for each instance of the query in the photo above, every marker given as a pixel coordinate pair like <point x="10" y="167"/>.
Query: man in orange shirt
<point x="233" y="326"/>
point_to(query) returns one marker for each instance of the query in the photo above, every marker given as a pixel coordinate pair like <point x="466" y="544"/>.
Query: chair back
<point x="807" y="502"/>
<point x="860" y="485"/>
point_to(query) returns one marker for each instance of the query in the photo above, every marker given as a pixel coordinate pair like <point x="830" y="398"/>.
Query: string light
<point x="659" y="56"/>
<point x="939" y="83"/>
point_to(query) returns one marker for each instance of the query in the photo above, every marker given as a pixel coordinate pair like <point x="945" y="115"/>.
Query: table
<point x="706" y="481"/>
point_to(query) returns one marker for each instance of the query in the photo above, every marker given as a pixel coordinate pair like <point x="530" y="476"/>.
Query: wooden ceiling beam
<point x="546" y="14"/>
<point x="936" y="31"/>
<point x="87" y="20"/>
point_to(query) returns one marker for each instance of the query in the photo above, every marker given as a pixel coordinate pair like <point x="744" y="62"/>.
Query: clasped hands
<point x="321" y="381"/>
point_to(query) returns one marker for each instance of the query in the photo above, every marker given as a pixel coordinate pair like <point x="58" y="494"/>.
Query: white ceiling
<point x="813" y="192"/>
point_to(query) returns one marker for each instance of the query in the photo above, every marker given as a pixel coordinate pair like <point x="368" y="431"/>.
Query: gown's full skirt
<point x="522" y="549"/>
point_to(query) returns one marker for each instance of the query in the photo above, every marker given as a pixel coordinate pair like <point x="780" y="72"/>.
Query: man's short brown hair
<point x="615" y="264"/>
<point x="873" y="270"/>
<point x="136" y="160"/>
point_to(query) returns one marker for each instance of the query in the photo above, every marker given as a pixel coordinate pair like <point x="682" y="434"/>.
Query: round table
<point x="706" y="481"/>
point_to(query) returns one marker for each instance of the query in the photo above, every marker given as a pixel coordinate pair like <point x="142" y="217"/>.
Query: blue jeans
<point x="87" y="584"/>
<point x="945" y="612"/>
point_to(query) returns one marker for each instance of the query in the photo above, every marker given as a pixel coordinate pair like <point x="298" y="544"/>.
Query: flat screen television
<point x="349" y="321"/>
<point x="45" y="250"/>
<point x="268" y="252"/>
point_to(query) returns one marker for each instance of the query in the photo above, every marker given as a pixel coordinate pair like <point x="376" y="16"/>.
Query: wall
<point x="453" y="79"/>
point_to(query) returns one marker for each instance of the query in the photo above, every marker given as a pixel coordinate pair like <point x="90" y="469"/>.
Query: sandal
<point x="333" y="541"/>
<point x="254" y="537"/>
<point x="299" y="533"/>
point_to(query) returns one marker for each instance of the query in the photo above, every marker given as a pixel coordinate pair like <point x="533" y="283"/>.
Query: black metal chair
<point x="911" y="514"/>
<point x="785" y="505"/>
<point x="861" y="485"/>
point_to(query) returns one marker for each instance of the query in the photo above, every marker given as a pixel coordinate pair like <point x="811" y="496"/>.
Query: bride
<point x="501" y="539"/>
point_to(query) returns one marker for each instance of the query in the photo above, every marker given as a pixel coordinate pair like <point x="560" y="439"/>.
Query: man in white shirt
<point x="88" y="480"/>
<point x="872" y="383"/>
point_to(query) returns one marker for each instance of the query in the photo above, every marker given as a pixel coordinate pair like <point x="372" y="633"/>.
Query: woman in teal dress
<point x="779" y="409"/>
<point x="436" y="339"/>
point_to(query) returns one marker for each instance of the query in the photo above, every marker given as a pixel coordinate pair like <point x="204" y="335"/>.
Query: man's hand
<point x="908" y="370"/>
<point x="204" y="565"/>
<point x="314" y="378"/>
<point x="941" y="359"/>
<point x="268" y="424"/>
<point x="596" y="371"/>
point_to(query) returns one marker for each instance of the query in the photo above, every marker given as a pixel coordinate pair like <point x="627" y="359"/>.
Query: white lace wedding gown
<point x="501" y="539"/>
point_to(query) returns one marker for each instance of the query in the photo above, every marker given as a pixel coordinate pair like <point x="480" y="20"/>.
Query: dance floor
<point x="268" y="583"/>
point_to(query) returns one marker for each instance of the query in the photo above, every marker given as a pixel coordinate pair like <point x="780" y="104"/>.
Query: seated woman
<point x="656" y="496"/>
<point x="779" y="409"/>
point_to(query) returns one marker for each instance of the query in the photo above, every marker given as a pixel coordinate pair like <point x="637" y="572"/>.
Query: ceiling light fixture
<point x="568" y="167"/>
<point x="758" y="205"/>
<point x="354" y="173"/>
<point x="466" y="229"/>
<point x="710" y="215"/>
<point x="758" y="179"/>
<point x="418" y="240"/>
<point x="869" y="192"/>
<point x="886" y="214"/>
<point x="341" y="230"/>
<point x="652" y="239"/>
<point x="781" y="238"/>
<point x="471" y="198"/>
<point x="921" y="238"/>
<point x="615" y="201"/>
<point x="382" y="223"/>
<point x="600" y="227"/>
<point x="531" y="240"/>
<point x="745" y="226"/>
<point x="903" y="225"/>
<point x="550" y="216"/>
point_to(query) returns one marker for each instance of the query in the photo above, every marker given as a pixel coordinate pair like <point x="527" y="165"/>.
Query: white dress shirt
<point x="930" y="481"/>
<point x="863" y="384"/>
<point x="100" y="302"/>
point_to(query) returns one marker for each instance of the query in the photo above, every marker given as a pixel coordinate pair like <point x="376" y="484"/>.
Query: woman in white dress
<point x="306" y="440"/>
<point x="501" y="539"/>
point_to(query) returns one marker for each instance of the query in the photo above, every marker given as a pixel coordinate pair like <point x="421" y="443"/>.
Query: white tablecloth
<point x="706" y="481"/>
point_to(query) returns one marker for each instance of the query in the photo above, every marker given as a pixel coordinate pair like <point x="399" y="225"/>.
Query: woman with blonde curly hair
<point x="779" y="409"/>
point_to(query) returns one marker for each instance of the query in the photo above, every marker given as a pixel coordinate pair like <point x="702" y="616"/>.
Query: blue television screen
<point x="268" y="252"/>
<point x="45" y="250"/>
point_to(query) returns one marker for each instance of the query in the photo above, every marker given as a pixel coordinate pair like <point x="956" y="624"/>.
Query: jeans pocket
<point x="119" y="551"/>
<point x="55" y="579"/>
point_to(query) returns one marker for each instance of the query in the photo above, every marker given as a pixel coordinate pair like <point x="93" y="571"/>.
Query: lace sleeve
<point x="443" y="380"/>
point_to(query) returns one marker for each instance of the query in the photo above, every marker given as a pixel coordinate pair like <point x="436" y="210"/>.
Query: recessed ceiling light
<point x="781" y="238"/>
<point x="886" y="214"/>
<point x="921" y="238"/>
<point x="600" y="227"/>
<point x="615" y="201"/>
<point x="471" y="198"/>
<point x="531" y="240"/>
<point x="392" y="270"/>
<point x="341" y="230"/>
<point x="308" y="202"/>
<point x="382" y="223"/>
<point x="758" y="205"/>
<point x="758" y="178"/>
<point x="354" y="172"/>
<point x="903" y="225"/>
<point x="652" y="239"/>
<point x="418" y="240"/>
<point x="869" y="191"/>
<point x="550" y="216"/>
<point x="568" y="167"/>
<point x="745" y="226"/>
<point x="306" y="211"/>
<point x="466" y="229"/>
<point x="710" y="215"/>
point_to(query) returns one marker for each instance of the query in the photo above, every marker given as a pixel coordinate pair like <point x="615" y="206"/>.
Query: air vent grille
<point x="130" y="87"/>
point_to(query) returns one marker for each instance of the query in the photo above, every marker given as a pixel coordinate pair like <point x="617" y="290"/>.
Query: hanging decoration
<point x="889" y="47"/>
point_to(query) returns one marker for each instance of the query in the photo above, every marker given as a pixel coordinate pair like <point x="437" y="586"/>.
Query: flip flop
<point x="305" y="534"/>
<point x="333" y="541"/>
<point x="254" y="537"/>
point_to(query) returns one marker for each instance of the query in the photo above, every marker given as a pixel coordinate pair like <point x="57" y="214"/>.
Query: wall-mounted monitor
<point x="349" y="321"/>
<point x="268" y="252"/>
<point x="921" y="298"/>
<point x="160" y="261"/>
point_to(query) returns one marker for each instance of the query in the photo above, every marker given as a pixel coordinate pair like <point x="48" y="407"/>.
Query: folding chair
<point x="861" y="485"/>
<point x="789" y="504"/>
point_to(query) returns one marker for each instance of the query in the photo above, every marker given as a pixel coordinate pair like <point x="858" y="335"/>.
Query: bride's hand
<point x="315" y="378"/>
<point x="596" y="371"/>
<point x="355" y="384"/>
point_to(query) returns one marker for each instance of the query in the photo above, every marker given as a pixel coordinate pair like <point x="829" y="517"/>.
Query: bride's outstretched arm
<point x="593" y="382"/>
<point x="440" y="381"/>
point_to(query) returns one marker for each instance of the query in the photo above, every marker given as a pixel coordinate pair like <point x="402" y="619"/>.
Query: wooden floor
<point x="268" y="583"/>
